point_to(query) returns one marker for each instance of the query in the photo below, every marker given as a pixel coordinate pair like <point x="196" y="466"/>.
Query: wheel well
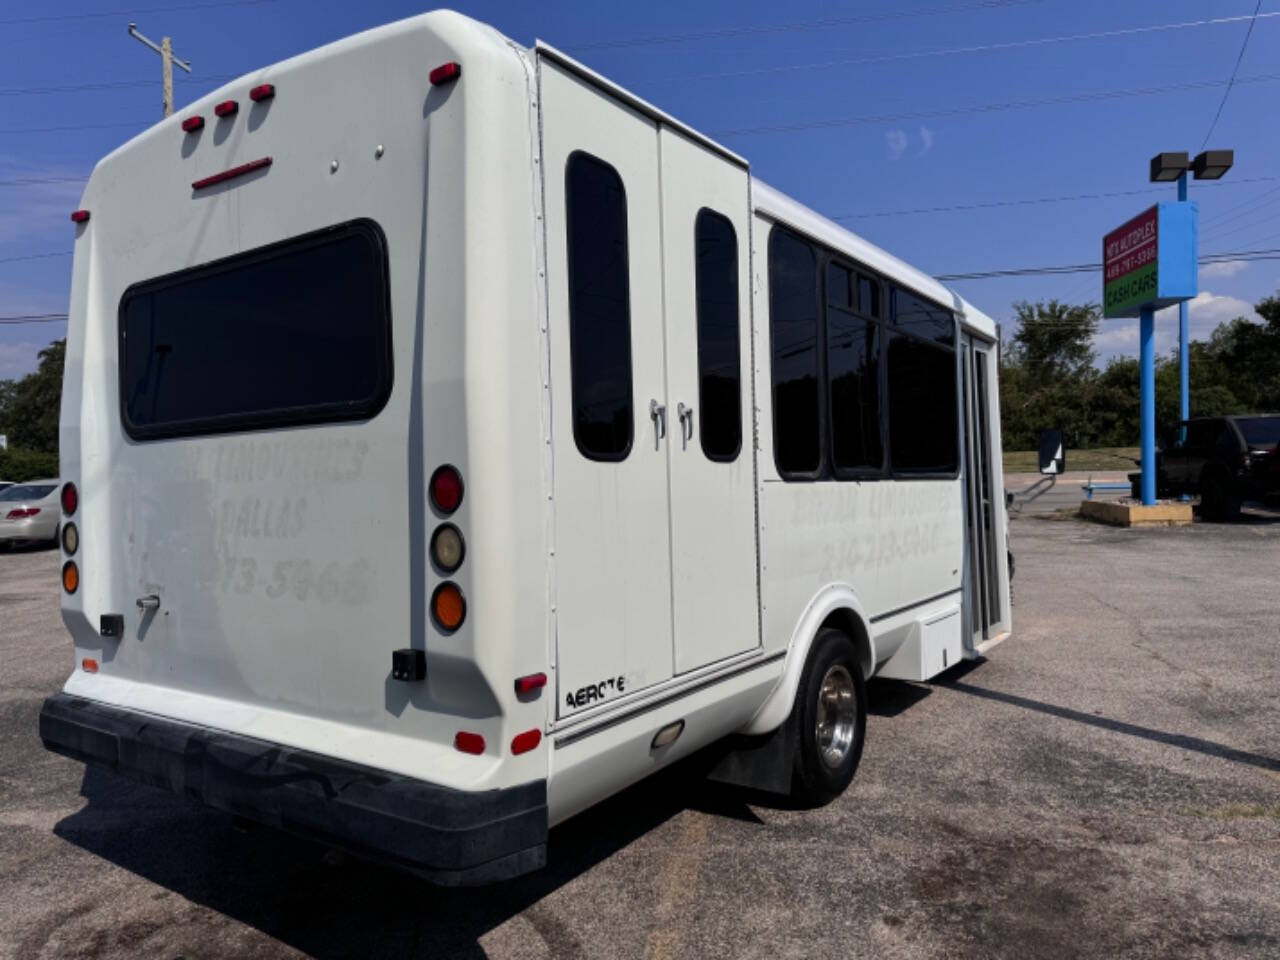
<point x="851" y="625"/>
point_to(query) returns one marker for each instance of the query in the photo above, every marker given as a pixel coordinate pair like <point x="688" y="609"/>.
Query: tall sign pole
<point x="1184" y="361"/>
<point x="1149" y="263"/>
<point x="167" y="60"/>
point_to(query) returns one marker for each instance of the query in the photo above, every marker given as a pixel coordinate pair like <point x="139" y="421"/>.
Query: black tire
<point x="816" y="780"/>
<point x="1219" y="499"/>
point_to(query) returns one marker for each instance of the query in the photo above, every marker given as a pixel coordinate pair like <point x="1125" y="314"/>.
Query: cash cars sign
<point x="1150" y="262"/>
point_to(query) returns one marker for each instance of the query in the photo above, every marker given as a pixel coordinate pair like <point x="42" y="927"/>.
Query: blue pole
<point x="1147" y="365"/>
<point x="1184" y="360"/>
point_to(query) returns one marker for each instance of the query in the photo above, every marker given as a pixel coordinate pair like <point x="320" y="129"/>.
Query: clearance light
<point x="89" y="665"/>
<point x="448" y="606"/>
<point x="469" y="742"/>
<point x="667" y="735"/>
<point x="226" y="108"/>
<point x="524" y="742"/>
<point x="70" y="498"/>
<point x="264" y="91"/>
<point x="80" y="216"/>
<point x="446" y="489"/>
<point x="192" y="124"/>
<point x="70" y="539"/>
<point x="447" y="548"/>
<point x="70" y="576"/>
<point x="534" y="681"/>
<point x="445" y="73"/>
<point x="231" y="174"/>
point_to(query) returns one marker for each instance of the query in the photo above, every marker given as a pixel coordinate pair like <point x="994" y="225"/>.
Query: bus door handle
<point x="686" y="419"/>
<point x="658" y="414"/>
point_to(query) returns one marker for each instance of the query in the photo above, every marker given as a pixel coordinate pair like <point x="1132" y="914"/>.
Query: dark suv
<point x="1224" y="460"/>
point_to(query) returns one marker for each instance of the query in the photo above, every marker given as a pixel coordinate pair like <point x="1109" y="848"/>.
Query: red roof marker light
<point x="226" y="108"/>
<point x="445" y="73"/>
<point x="80" y="216"/>
<point x="263" y="91"/>
<point x="192" y="124"/>
<point x="534" y="681"/>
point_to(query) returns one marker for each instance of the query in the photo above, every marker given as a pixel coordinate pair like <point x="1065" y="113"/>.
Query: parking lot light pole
<point x="1147" y="364"/>
<point x="1208" y="165"/>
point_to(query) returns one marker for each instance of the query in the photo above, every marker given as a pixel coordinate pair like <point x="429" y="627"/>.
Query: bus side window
<point x="599" y="308"/>
<point x="853" y="371"/>
<point x="793" y="327"/>
<point x="921" y="377"/>
<point x="719" y="371"/>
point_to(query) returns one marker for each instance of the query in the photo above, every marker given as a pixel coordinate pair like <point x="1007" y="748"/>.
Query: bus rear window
<point x="298" y="332"/>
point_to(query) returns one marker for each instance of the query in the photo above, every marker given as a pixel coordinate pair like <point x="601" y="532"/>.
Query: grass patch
<point x="1102" y="458"/>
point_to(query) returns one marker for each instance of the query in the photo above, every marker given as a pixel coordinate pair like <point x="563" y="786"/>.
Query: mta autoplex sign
<point x="1150" y="261"/>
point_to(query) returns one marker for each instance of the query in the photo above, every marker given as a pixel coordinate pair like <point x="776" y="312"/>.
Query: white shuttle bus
<point x="453" y="439"/>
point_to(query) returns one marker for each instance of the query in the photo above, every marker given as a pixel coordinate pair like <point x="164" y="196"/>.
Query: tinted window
<point x="1260" y="432"/>
<point x="298" y="332"/>
<point x="922" y="406"/>
<point x="719" y="387"/>
<point x="1201" y="433"/>
<point x="599" y="308"/>
<point x="922" y="319"/>
<point x="793" y="326"/>
<point x="853" y="357"/>
<point x="27" y="491"/>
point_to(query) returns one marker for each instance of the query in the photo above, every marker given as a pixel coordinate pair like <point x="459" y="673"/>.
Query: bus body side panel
<point x="289" y="563"/>
<point x="897" y="546"/>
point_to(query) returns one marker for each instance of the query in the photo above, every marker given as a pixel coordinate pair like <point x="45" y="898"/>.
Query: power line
<point x="977" y="48"/>
<point x="1269" y="254"/>
<point x="77" y="127"/>
<point x="1230" y="83"/>
<point x="33" y="318"/>
<point x="107" y="85"/>
<point x="62" y="17"/>
<point x="1027" y="201"/>
<point x="28" y="181"/>
<point x="36" y="256"/>
<point x="727" y="33"/>
<point x="987" y="107"/>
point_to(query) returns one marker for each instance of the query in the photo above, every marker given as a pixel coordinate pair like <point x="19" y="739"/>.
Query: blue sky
<point x="923" y="120"/>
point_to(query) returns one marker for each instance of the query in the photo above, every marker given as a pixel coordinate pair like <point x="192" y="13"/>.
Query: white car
<point x="29" y="513"/>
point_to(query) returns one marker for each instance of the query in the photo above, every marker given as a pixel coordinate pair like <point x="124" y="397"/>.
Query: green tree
<point x="29" y="407"/>
<point x="1047" y="373"/>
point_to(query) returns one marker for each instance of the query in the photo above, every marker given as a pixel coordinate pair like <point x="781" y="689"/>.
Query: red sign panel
<point x="1130" y="247"/>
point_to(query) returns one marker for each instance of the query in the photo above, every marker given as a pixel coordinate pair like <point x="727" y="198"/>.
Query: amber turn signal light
<point x="70" y="576"/>
<point x="448" y="606"/>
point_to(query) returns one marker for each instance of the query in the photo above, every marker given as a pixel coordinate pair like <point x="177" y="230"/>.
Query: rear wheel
<point x="831" y="719"/>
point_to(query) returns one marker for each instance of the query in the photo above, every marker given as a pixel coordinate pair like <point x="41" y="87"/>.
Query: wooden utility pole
<point x="167" y="60"/>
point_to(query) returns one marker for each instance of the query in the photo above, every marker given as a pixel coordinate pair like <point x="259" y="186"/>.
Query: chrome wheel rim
<point x="837" y="716"/>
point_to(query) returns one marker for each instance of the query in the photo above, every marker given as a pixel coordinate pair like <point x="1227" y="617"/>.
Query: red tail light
<point x="446" y="489"/>
<point x="70" y="498"/>
<point x="534" y="681"/>
<point x="524" y="742"/>
<point x="21" y="513"/>
<point x="469" y="742"/>
<point x="80" y="216"/>
<point x="192" y="124"/>
<point x="226" y="108"/>
<point x="264" y="91"/>
<point x="445" y="73"/>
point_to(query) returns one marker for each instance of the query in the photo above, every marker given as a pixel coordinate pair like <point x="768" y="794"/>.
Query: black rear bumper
<point x="449" y="836"/>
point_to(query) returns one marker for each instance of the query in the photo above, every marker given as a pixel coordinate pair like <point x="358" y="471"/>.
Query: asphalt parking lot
<point x="1107" y="784"/>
